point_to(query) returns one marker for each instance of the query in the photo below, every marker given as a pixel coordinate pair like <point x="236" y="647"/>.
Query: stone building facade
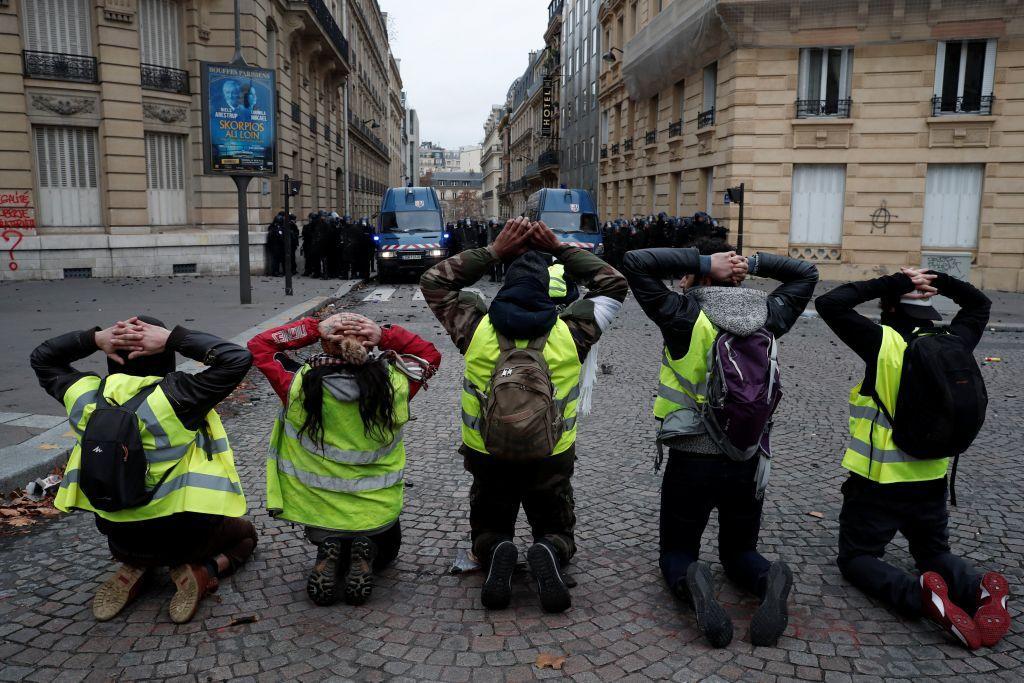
<point x="490" y="163"/>
<point x="102" y="122"/>
<point x="532" y="150"/>
<point x="460" y="193"/>
<point x="869" y="135"/>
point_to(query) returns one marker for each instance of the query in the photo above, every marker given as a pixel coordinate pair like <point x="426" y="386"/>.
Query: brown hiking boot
<point x="194" y="583"/>
<point x="117" y="591"/>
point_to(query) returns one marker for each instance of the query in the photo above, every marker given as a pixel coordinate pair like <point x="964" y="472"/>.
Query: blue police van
<point x="410" y="232"/>
<point x="571" y="215"/>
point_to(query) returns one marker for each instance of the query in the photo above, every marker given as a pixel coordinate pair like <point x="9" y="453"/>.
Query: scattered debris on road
<point x="547" y="660"/>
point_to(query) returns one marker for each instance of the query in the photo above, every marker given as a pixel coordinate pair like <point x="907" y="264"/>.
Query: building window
<point x="964" y="73"/>
<point x="68" y="176"/>
<point x="58" y="43"/>
<point x="952" y="205"/>
<point x="653" y="104"/>
<point x="819" y="192"/>
<point x="586" y="49"/>
<point x="165" y="178"/>
<point x="652" y="184"/>
<point x="592" y="157"/>
<point x="824" y="83"/>
<point x="707" y="182"/>
<point x="706" y="117"/>
<point x="160" y="43"/>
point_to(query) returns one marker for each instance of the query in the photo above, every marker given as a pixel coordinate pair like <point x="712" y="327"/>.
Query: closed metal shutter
<point x="952" y="205"/>
<point x="60" y="26"/>
<point x="160" y="32"/>
<point x="819" y="192"/>
<point x="67" y="171"/>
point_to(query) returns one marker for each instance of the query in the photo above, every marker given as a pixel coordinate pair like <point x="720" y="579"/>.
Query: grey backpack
<point x="521" y="419"/>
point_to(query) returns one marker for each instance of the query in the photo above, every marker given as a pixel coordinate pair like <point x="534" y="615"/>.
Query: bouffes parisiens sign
<point x="546" y="111"/>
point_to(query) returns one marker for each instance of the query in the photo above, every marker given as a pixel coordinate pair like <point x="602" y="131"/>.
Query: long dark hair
<point x="376" y="399"/>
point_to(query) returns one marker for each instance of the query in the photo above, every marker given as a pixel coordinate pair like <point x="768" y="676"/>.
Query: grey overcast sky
<point x="459" y="57"/>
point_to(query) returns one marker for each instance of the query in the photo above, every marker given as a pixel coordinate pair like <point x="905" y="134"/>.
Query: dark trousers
<point x="387" y="542"/>
<point x="872" y="514"/>
<point x="276" y="262"/>
<point x="693" y="486"/>
<point x="542" y="487"/>
<point x="183" y="538"/>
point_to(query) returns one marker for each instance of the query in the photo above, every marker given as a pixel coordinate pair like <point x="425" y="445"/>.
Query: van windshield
<point x="410" y="221"/>
<point x="561" y="221"/>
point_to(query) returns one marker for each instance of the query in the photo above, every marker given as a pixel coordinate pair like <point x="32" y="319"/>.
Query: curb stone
<point x="37" y="456"/>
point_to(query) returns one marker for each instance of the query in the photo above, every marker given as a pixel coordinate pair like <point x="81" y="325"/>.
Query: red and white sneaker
<point x="939" y="608"/>
<point x="992" y="617"/>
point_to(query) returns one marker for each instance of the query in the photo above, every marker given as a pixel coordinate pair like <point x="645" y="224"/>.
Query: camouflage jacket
<point x="460" y="311"/>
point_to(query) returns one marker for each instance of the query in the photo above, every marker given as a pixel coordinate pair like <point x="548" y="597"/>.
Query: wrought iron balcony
<point x="58" y="66"/>
<point x="650" y="137"/>
<point x="975" y="104"/>
<point x="627" y="145"/>
<point x="296" y="112"/>
<point x="312" y="124"/>
<point x="548" y="159"/>
<point x="329" y="26"/>
<point x="155" y="77"/>
<point x="806" y="109"/>
<point x="675" y="129"/>
<point x="706" y="118"/>
<point x="604" y="151"/>
<point x="615" y="148"/>
<point x="364" y="130"/>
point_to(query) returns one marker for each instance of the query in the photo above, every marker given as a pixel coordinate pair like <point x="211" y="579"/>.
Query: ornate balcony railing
<point x="806" y="109"/>
<point x="58" y="66"/>
<point x="604" y="151"/>
<point x="296" y="112"/>
<point x="675" y="129"/>
<point x="975" y="104"/>
<point x="650" y="137"/>
<point x="548" y="159"/>
<point x="615" y="148"/>
<point x="364" y="130"/>
<point x="155" y="77"/>
<point x="706" y="118"/>
<point x="329" y="25"/>
<point x="627" y="145"/>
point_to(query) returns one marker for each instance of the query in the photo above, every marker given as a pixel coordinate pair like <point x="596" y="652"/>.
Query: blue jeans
<point x="693" y="486"/>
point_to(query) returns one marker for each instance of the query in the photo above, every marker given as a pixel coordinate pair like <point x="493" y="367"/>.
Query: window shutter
<point x="160" y="29"/>
<point x="58" y="26"/>
<point x="805" y="65"/>
<point x="846" y="73"/>
<point x="940" y="67"/>
<point x="990" y="68"/>
<point x="818" y="199"/>
<point x="952" y="205"/>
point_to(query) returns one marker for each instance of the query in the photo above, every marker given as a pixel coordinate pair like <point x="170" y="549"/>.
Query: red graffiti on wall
<point x="10" y="234"/>
<point x="16" y="210"/>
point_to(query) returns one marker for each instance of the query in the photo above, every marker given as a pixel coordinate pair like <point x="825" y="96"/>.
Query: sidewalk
<point x="34" y="435"/>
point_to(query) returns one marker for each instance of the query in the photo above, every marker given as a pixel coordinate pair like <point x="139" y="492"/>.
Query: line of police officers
<point x="333" y="246"/>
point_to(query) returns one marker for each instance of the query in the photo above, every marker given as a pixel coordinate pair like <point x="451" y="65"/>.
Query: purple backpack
<point x="744" y="389"/>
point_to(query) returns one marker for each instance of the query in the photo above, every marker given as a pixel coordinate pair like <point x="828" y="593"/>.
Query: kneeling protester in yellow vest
<point x="152" y="459"/>
<point x="922" y="401"/>
<point x="521" y="394"/>
<point x="336" y="461"/>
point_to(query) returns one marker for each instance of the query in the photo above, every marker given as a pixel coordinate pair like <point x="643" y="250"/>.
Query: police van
<point x="571" y="215"/>
<point x="410" y="232"/>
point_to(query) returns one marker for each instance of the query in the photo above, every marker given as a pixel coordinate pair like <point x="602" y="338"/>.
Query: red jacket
<point x="268" y="349"/>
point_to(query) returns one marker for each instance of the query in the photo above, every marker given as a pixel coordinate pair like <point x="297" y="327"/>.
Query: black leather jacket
<point x="191" y="396"/>
<point x="675" y="313"/>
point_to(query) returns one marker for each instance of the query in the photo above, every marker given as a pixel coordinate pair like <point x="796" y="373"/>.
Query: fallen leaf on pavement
<point x="819" y="515"/>
<point x="547" y="660"/>
<point x="48" y="446"/>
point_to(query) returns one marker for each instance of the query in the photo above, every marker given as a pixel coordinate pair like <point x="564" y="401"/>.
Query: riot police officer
<point x="276" y="243"/>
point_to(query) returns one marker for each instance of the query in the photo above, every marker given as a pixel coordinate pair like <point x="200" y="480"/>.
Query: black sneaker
<point x="497" y="589"/>
<point x="323" y="579"/>
<point x="771" y="618"/>
<point x="712" y="620"/>
<point x="554" y="594"/>
<point x="359" y="578"/>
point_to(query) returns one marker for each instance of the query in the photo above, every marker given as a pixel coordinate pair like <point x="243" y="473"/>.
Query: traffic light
<point x="734" y="195"/>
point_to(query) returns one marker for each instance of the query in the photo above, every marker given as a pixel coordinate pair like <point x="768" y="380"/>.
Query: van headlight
<point x="387" y="254"/>
<point x="435" y="253"/>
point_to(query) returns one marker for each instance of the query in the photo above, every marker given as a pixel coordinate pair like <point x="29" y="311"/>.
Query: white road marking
<point x="418" y="296"/>
<point x="380" y="294"/>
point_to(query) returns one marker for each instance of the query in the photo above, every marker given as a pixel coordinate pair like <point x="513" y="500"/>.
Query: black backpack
<point x="942" y="399"/>
<point x="112" y="473"/>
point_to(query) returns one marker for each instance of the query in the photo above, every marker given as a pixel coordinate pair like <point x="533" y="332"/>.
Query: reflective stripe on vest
<point x="355" y="482"/>
<point x="683" y="382"/>
<point x="482" y="356"/>
<point x="202" y="474"/>
<point x="871" y="452"/>
<point x="557" y="288"/>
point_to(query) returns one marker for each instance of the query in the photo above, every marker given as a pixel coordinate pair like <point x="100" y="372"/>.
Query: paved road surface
<point x="423" y="623"/>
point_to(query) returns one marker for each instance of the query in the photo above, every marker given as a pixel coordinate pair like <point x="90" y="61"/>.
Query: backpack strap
<point x="135" y="401"/>
<point x="504" y="343"/>
<point x="99" y="393"/>
<point x="539" y="343"/>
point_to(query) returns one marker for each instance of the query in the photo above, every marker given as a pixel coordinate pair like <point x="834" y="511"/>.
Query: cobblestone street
<point x="423" y="623"/>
